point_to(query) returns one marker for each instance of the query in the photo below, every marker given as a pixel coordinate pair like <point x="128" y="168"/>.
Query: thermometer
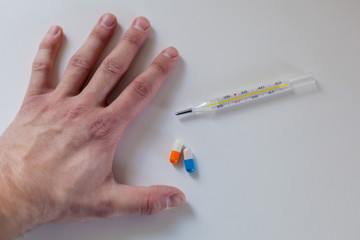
<point x="240" y="97"/>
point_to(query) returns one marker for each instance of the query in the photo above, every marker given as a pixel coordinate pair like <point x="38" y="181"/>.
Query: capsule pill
<point x="189" y="160"/>
<point x="176" y="150"/>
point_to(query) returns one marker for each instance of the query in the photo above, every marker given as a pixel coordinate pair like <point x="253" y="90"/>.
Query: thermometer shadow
<point x="195" y="116"/>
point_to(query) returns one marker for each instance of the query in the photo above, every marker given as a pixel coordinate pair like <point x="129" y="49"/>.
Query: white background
<point x="283" y="169"/>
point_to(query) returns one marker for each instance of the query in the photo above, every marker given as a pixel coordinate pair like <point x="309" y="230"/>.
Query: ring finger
<point x="82" y="62"/>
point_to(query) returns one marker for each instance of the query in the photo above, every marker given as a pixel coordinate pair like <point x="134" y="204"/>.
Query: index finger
<point x="139" y="93"/>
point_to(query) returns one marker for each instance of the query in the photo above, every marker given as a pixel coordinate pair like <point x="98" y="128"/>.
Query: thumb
<point x="130" y="200"/>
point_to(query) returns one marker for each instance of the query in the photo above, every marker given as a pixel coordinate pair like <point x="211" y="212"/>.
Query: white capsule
<point x="187" y="154"/>
<point x="177" y="146"/>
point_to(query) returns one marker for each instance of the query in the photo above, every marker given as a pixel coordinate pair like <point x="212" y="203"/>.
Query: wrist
<point x="16" y="215"/>
<point x="23" y="203"/>
<point x="18" y="208"/>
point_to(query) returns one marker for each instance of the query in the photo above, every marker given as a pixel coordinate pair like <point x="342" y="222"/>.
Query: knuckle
<point x="79" y="61"/>
<point x="149" y="206"/>
<point x="74" y="112"/>
<point x="47" y="44"/>
<point x="105" y="208"/>
<point x="134" y="37"/>
<point x="41" y="66"/>
<point x="34" y="103"/>
<point x="102" y="126"/>
<point x="75" y="208"/>
<point x="114" y="67"/>
<point x="161" y="67"/>
<point x="142" y="89"/>
<point x="99" y="35"/>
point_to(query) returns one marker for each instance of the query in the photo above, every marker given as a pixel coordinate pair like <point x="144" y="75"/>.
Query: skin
<point x="56" y="156"/>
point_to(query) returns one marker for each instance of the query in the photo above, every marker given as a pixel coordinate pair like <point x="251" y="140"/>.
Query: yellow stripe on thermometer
<point x="236" y="98"/>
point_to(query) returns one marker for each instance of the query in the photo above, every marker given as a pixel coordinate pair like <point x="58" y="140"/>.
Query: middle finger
<point x="117" y="63"/>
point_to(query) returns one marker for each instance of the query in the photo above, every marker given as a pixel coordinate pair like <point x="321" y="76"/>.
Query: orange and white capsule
<point x="176" y="150"/>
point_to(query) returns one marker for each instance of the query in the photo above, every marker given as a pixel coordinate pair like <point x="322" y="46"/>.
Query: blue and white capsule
<point x="189" y="160"/>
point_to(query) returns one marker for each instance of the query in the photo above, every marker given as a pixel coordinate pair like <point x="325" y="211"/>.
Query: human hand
<point x="56" y="156"/>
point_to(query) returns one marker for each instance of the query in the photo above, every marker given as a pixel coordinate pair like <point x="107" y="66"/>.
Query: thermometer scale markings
<point x="292" y="84"/>
<point x="247" y="95"/>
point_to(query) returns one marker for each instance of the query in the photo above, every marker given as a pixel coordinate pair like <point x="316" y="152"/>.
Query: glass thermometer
<point x="236" y="98"/>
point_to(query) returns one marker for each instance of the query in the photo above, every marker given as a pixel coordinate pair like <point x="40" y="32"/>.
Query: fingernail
<point x="175" y="201"/>
<point x="54" y="29"/>
<point x="107" y="20"/>
<point x="170" y="52"/>
<point x="141" y="24"/>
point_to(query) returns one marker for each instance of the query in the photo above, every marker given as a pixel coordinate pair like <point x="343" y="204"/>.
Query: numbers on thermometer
<point x="248" y="95"/>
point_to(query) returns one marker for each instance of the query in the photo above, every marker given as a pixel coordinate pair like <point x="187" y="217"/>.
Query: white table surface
<point x="282" y="169"/>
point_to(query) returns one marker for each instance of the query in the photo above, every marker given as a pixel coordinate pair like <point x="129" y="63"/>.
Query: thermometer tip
<point x="189" y="110"/>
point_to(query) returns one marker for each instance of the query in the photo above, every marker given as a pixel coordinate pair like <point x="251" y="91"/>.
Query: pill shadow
<point x="180" y="166"/>
<point x="195" y="174"/>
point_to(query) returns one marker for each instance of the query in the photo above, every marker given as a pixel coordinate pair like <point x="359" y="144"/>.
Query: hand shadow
<point x="135" y="227"/>
<point x="124" y="227"/>
<point x="137" y="134"/>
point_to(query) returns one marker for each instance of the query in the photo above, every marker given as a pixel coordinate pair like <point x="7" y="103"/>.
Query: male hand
<point x="56" y="156"/>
